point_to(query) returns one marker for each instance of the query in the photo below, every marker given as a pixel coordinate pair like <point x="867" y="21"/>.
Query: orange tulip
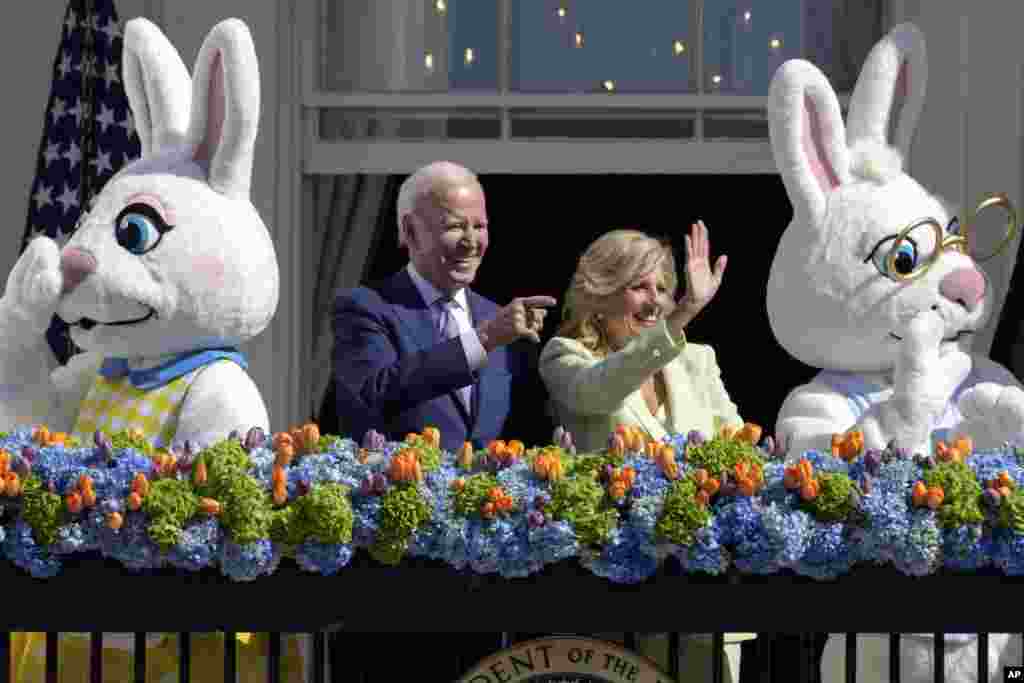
<point x="209" y="506"/>
<point x="702" y="497"/>
<point x="488" y="510"/>
<point x="651" y="448"/>
<point x="516" y="448"/>
<point x="140" y="484"/>
<point x="791" y="478"/>
<point x="749" y="433"/>
<point x="805" y="469"/>
<point x="1004" y="491"/>
<point x="746" y="486"/>
<point x="432" y="435"/>
<point x="728" y="431"/>
<point x="277" y="475"/>
<point x="284" y="454"/>
<point x="41" y="435"/>
<point x="919" y="494"/>
<point x="629" y="475"/>
<point x="671" y="470"/>
<point x="458" y="484"/>
<point x="85" y="482"/>
<point x="282" y="438"/>
<point x="88" y="497"/>
<point x="405" y="467"/>
<point x="199" y="473"/>
<point x="941" y="449"/>
<point x="280" y="494"/>
<point x="617" y="445"/>
<point x="617" y="490"/>
<point x="1004" y="479"/>
<point x="136" y="434"/>
<point x="809" y="490"/>
<point x="711" y="486"/>
<point x="700" y="477"/>
<point x="964" y="444"/>
<point x="74" y="503"/>
<point x="934" y="497"/>
<point x="134" y="501"/>
<point x="310" y="437"/>
<point x="115" y="520"/>
<point x="496" y="448"/>
<point x="466" y="456"/>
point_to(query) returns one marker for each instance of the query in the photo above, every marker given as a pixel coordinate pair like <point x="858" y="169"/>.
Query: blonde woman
<point x="621" y="357"/>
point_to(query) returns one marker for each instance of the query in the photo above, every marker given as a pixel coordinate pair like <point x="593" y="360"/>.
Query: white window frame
<point x="541" y="156"/>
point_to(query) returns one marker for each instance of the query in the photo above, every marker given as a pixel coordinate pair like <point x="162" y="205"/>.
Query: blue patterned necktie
<point x="449" y="328"/>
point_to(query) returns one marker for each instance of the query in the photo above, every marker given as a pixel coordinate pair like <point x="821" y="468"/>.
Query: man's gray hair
<point x="429" y="179"/>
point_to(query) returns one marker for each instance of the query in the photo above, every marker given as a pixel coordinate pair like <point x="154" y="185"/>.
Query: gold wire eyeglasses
<point x="903" y="262"/>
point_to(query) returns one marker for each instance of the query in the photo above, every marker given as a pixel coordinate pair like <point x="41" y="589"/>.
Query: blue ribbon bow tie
<point x="153" y="378"/>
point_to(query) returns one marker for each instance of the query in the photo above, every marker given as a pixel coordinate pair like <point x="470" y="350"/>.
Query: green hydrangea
<point x="41" y="510"/>
<point x="286" y="527"/>
<point x="122" y="439"/>
<point x="580" y="502"/>
<point x="1011" y="511"/>
<point x="428" y="455"/>
<point x="470" y="499"/>
<point x="324" y="514"/>
<point x="682" y="516"/>
<point x="718" y="455"/>
<point x="835" y="500"/>
<point x="245" y="505"/>
<point x="961" y="501"/>
<point x="170" y="503"/>
<point x="403" y="510"/>
<point x="327" y="443"/>
<point x="590" y="465"/>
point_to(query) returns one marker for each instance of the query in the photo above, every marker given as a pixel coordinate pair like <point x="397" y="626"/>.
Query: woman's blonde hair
<point x="610" y="264"/>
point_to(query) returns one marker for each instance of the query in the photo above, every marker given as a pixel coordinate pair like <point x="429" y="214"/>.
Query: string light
<point x="469" y="56"/>
<point x="578" y="39"/>
<point x="775" y="43"/>
<point x="716" y="79"/>
<point x="428" y="61"/>
<point x="561" y="12"/>
<point x="678" y="47"/>
<point x="441" y="6"/>
<point x="609" y="85"/>
<point x="746" y="16"/>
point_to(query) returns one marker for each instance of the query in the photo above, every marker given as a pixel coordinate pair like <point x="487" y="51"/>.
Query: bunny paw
<point x="993" y="414"/>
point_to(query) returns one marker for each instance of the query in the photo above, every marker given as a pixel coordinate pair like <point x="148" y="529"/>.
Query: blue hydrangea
<point x="365" y="513"/>
<point x="131" y="544"/>
<point x="965" y="548"/>
<point x="1008" y="551"/>
<point x="888" y="522"/>
<point x="553" y="542"/>
<point x="323" y="558"/>
<point x="923" y="551"/>
<point x="198" y="547"/>
<point x="828" y="554"/>
<point x="249" y="561"/>
<point x="628" y="557"/>
<point x="20" y="547"/>
<point x="707" y="554"/>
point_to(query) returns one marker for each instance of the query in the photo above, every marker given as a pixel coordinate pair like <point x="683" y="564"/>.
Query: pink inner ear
<point x="899" y="99"/>
<point x="814" y="148"/>
<point x="214" y="112"/>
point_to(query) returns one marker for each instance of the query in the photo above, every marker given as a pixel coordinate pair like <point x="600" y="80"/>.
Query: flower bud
<point x="374" y="440"/>
<point x="695" y="437"/>
<point x="536" y="519"/>
<point x="380" y="483"/>
<point x="254" y="438"/>
<point x="29" y="453"/>
<point x="567" y="443"/>
<point x="234" y="435"/>
<point x="556" y="437"/>
<point x="993" y="498"/>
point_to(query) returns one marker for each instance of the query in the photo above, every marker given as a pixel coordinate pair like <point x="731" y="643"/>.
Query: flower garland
<point x="733" y="500"/>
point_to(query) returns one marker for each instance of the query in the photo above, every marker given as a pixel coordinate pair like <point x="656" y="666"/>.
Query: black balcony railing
<point x="564" y="598"/>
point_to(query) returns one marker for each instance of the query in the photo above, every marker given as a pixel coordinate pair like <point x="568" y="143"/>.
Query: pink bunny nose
<point x="965" y="286"/>
<point x="75" y="266"/>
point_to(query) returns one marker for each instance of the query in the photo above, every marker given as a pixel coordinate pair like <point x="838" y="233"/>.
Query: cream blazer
<point x="591" y="395"/>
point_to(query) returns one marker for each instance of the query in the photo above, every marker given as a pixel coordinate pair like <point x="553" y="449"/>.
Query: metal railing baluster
<point x="184" y="657"/>
<point x="940" y="657"/>
<point x="5" y="656"/>
<point x="96" y="657"/>
<point x="717" y="652"/>
<point x="982" y="657"/>
<point x="230" y="657"/>
<point x="894" y="658"/>
<point x="139" y="657"/>
<point x="673" y="655"/>
<point x="274" y="660"/>
<point x="851" y="658"/>
<point x="319" y="655"/>
<point x="52" y="656"/>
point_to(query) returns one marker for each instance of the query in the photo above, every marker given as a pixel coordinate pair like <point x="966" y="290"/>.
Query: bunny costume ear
<point x="226" y="107"/>
<point x="889" y="95"/>
<point x="157" y="84"/>
<point x="808" y="136"/>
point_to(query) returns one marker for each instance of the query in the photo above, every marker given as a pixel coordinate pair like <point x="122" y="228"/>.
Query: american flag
<point x="88" y="133"/>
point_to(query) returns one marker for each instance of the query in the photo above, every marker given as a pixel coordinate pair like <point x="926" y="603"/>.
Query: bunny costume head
<point x="173" y="256"/>
<point x="168" y="272"/>
<point x="833" y="298"/>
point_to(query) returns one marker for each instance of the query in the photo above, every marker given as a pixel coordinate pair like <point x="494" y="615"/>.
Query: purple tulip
<point x="566" y="442"/>
<point x="191" y="448"/>
<point x="21" y="466"/>
<point x="234" y="435"/>
<point x="539" y="502"/>
<point x="866" y="482"/>
<point x="873" y="461"/>
<point x="29" y="453"/>
<point x="374" y="440"/>
<point x="254" y="438"/>
<point x="536" y="519"/>
<point x="695" y="437"/>
<point x="302" y="487"/>
<point x="111" y="505"/>
<point x="858" y="535"/>
<point x="728" y="487"/>
<point x="556" y="438"/>
<point x="52" y="487"/>
<point x="366" y="486"/>
<point x="993" y="498"/>
<point x="380" y="483"/>
<point x="185" y="462"/>
<point x="901" y="453"/>
<point x="616" y="442"/>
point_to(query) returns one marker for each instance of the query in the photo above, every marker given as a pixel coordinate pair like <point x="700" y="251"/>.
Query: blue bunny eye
<point x="139" y="228"/>
<point x="954" y="226"/>
<point x="907" y="256"/>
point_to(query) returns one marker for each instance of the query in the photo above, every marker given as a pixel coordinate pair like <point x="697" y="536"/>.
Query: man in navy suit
<point x="421" y="348"/>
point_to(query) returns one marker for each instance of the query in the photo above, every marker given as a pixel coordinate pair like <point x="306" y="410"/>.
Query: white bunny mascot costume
<point x="171" y="269"/>
<point x="895" y="354"/>
<point x="168" y="272"/>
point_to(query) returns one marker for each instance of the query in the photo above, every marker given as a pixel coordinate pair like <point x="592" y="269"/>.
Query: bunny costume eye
<point x="902" y="256"/>
<point x="139" y="228"/>
<point x="954" y="226"/>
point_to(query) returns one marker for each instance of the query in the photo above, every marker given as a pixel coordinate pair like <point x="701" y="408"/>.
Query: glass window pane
<point x="588" y="46"/>
<point x="571" y="46"/>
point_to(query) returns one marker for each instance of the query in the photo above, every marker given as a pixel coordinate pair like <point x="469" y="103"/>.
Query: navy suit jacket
<point x="393" y="374"/>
